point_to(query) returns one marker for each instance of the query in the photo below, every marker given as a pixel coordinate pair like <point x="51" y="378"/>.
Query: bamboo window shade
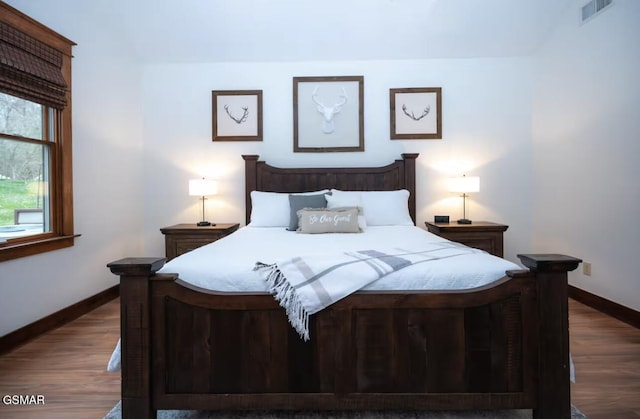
<point x="30" y="69"/>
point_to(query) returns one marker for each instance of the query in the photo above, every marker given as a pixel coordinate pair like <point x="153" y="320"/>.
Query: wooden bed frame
<point x="504" y="346"/>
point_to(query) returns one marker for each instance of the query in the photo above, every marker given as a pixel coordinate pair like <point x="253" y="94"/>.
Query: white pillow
<point x="382" y="208"/>
<point x="345" y="200"/>
<point x="272" y="209"/>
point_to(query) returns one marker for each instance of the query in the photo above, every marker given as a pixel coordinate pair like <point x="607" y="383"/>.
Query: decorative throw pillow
<point x="298" y="202"/>
<point x="339" y="220"/>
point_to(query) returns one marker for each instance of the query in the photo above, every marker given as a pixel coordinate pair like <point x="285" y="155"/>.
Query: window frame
<point x="61" y="189"/>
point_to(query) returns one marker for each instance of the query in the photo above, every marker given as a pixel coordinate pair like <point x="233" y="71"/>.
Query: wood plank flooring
<point x="67" y="366"/>
<point x="606" y="354"/>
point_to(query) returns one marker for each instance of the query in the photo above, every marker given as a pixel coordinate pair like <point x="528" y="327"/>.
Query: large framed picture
<point x="237" y="115"/>
<point x="416" y="113"/>
<point x="328" y="114"/>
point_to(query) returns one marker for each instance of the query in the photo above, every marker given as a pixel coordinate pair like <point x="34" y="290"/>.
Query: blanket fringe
<point x="286" y="295"/>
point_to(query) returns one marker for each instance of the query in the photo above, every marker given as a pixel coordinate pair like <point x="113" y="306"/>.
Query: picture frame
<point x="416" y="113"/>
<point x="328" y="114"/>
<point x="237" y="115"/>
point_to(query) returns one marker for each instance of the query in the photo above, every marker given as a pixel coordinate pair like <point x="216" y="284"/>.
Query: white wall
<point x="107" y="185"/>
<point x="486" y="132"/>
<point x="586" y="142"/>
<point x="551" y="178"/>
<point x="119" y="208"/>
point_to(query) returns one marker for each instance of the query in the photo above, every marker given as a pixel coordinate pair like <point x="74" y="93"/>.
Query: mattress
<point x="228" y="264"/>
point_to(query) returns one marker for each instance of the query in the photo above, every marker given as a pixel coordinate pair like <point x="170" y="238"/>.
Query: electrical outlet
<point x="586" y="268"/>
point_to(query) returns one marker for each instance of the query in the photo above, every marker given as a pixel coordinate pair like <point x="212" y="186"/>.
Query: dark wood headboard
<point x="401" y="174"/>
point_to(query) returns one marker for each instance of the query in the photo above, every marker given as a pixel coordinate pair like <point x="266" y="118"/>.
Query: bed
<point x="501" y="345"/>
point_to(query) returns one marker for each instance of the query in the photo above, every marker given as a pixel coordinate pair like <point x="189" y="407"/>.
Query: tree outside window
<point x="24" y="168"/>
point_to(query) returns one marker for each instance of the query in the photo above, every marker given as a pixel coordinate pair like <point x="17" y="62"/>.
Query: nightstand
<point x="181" y="238"/>
<point x="481" y="234"/>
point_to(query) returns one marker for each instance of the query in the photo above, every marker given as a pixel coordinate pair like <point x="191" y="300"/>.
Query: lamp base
<point x="464" y="221"/>
<point x="204" y="224"/>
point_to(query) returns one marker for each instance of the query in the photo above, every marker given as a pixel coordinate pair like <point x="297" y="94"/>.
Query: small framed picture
<point x="416" y="113"/>
<point x="237" y="115"/>
<point x="328" y="114"/>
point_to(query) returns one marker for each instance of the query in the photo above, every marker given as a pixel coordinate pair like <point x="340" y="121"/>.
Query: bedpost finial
<point x="411" y="156"/>
<point x="144" y="266"/>
<point x="549" y="262"/>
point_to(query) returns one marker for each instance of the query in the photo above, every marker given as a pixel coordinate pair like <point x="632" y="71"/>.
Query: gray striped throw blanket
<point x="304" y="285"/>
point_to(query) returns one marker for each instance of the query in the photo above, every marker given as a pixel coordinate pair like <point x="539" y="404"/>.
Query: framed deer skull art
<point x="237" y="115"/>
<point x="328" y="114"/>
<point x="416" y="113"/>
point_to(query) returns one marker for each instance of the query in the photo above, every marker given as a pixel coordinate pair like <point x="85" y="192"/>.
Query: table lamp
<point x="464" y="184"/>
<point x="203" y="188"/>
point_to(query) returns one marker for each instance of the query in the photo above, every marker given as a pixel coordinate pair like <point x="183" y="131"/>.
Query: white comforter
<point x="227" y="264"/>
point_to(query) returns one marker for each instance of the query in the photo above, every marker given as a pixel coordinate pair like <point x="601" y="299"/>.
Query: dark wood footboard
<point x="503" y="346"/>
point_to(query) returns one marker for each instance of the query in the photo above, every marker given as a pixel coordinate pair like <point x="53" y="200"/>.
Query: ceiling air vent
<point x="593" y="8"/>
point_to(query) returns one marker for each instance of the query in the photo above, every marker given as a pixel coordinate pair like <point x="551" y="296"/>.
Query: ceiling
<point x="329" y="30"/>
<point x="161" y="31"/>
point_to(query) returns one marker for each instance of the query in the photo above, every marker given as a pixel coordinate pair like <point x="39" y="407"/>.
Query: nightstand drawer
<point x="489" y="243"/>
<point x="187" y="245"/>
<point x="480" y="235"/>
<point x="182" y="238"/>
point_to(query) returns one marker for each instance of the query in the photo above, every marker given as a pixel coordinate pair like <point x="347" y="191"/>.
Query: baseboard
<point x="608" y="307"/>
<point x="60" y="318"/>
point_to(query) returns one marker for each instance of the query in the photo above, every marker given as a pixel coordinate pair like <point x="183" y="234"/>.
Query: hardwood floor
<point x="67" y="367"/>
<point x="606" y="354"/>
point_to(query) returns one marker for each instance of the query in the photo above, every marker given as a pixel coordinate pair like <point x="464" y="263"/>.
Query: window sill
<point x="34" y="247"/>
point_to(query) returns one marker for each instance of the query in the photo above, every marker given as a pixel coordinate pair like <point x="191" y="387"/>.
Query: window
<point x="36" y="196"/>
<point x="25" y="167"/>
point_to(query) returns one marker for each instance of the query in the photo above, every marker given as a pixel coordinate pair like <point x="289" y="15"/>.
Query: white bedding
<point x="227" y="264"/>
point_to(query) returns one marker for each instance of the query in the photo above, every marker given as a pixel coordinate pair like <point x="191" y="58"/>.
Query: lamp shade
<point x="464" y="184"/>
<point x="202" y="187"/>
